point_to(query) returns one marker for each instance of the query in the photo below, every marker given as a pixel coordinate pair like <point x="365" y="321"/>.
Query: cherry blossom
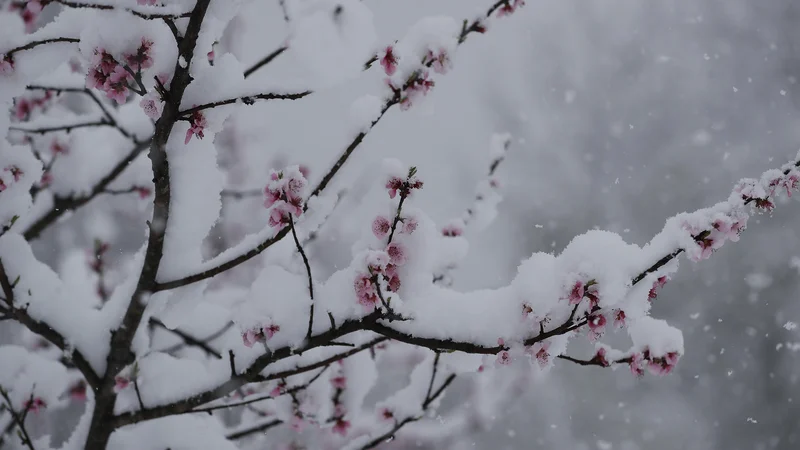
<point x="619" y="318"/>
<point x="452" y="230"/>
<point x="397" y="253"/>
<point x="389" y="61"/>
<point x="77" y="391"/>
<point x="35" y="405"/>
<point x="410" y="225"/>
<point x="439" y="61"/>
<point x="339" y="382"/>
<point x="341" y="427"/>
<point x="142" y="58"/>
<point x="601" y="358"/>
<point x="6" y="64"/>
<point x="381" y="227"/>
<point x="121" y="383"/>
<point x="197" y="123"/>
<point x="152" y="105"/>
<point x="540" y="351"/>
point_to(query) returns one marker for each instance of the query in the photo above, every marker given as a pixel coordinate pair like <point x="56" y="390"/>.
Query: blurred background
<point x="623" y="113"/>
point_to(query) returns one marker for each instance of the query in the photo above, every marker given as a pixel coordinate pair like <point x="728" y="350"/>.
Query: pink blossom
<point x="365" y="291"/>
<point x="377" y="261"/>
<point x="47" y="178"/>
<point x="281" y="214"/>
<point x="503" y="358"/>
<point x="78" y="391"/>
<point x="253" y="335"/>
<point x="663" y="365"/>
<point x="452" y="230"/>
<point x="271" y="330"/>
<point x="419" y="85"/>
<point x="147" y="2"/>
<point x="509" y="7"/>
<point x="341" y="427"/>
<point x="576" y="293"/>
<point x="409" y="225"/>
<point x="30" y="13"/>
<point x="397" y="253"/>
<point x="393" y="185"/>
<point x="526" y="310"/>
<point x="116" y="86"/>
<point x="389" y="61"/>
<point x="637" y="364"/>
<point x="394" y="283"/>
<point x="210" y="56"/>
<point x="152" y="105"/>
<point x="16" y="172"/>
<point x="440" y="61"/>
<point x="659" y="283"/>
<point x="197" y="123"/>
<point x="121" y="383"/>
<point x="619" y="318"/>
<point x="143" y="192"/>
<point x="339" y="382"/>
<point x="381" y="227"/>
<point x="59" y="148"/>
<point x="141" y="59"/>
<point x="6" y="64"/>
<point x="22" y="108"/>
<point x="304" y="170"/>
<point x="96" y="78"/>
<point x="600" y="357"/>
<point x="597" y="324"/>
<point x="35" y="405"/>
<point x="791" y="182"/>
<point x="539" y="351"/>
<point x="276" y="391"/>
<point x="386" y="414"/>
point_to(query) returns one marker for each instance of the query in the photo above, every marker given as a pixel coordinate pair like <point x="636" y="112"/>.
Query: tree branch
<point x="34" y="44"/>
<point x="188" y="339"/>
<point x="66" y="128"/>
<point x="247" y="100"/>
<point x="19" y="418"/>
<point x="44" y="330"/>
<point x="61" y="205"/>
<point x="257" y="428"/>
<point x="146" y="16"/>
<point x="264" y="61"/>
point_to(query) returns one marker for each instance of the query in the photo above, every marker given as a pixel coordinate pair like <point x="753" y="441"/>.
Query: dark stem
<point x="308" y="271"/>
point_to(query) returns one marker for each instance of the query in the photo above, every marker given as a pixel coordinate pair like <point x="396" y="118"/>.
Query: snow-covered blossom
<point x="395" y="184"/>
<point x="147" y="2"/>
<point x="6" y="64"/>
<point x="410" y="225"/>
<point x="386" y="414"/>
<point x="439" y="61"/>
<point x="381" y="227"/>
<point x="397" y="253"/>
<point x="597" y="324"/>
<point x="35" y="404"/>
<point x="284" y="194"/>
<point x="77" y="391"/>
<point x="452" y="230"/>
<point x="366" y="293"/>
<point x="339" y="382"/>
<point x="637" y="364"/>
<point x="653" y="293"/>
<point x="503" y="358"/>
<point x="418" y="85"/>
<point x="152" y="105"/>
<point x="389" y="61"/>
<point x="663" y="365"/>
<point x="341" y="427"/>
<point x="509" y="7"/>
<point x="141" y="58"/>
<point x="121" y="383"/>
<point x="619" y="318"/>
<point x="197" y="123"/>
<point x="600" y="357"/>
<point x="540" y="351"/>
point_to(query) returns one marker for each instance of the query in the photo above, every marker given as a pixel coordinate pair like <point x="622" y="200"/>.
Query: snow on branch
<point x="290" y="343"/>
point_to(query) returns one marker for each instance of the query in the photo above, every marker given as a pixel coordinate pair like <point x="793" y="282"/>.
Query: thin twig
<point x="308" y="270"/>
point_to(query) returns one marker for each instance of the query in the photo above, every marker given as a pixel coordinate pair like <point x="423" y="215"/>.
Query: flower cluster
<point x="509" y="7"/>
<point x="25" y="105"/>
<point x="259" y="334"/>
<point x="381" y="266"/>
<point x="147" y="2"/>
<point x="658" y="284"/>
<point x="723" y="228"/>
<point x="197" y="121"/>
<point x="340" y="424"/>
<point x="284" y="194"/>
<point x="662" y="365"/>
<point x="418" y="85"/>
<point x="112" y="77"/>
<point x="453" y="229"/>
<point x="404" y="186"/>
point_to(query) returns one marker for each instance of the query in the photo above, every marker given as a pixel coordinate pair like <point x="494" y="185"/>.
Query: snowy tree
<point x="224" y="320"/>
